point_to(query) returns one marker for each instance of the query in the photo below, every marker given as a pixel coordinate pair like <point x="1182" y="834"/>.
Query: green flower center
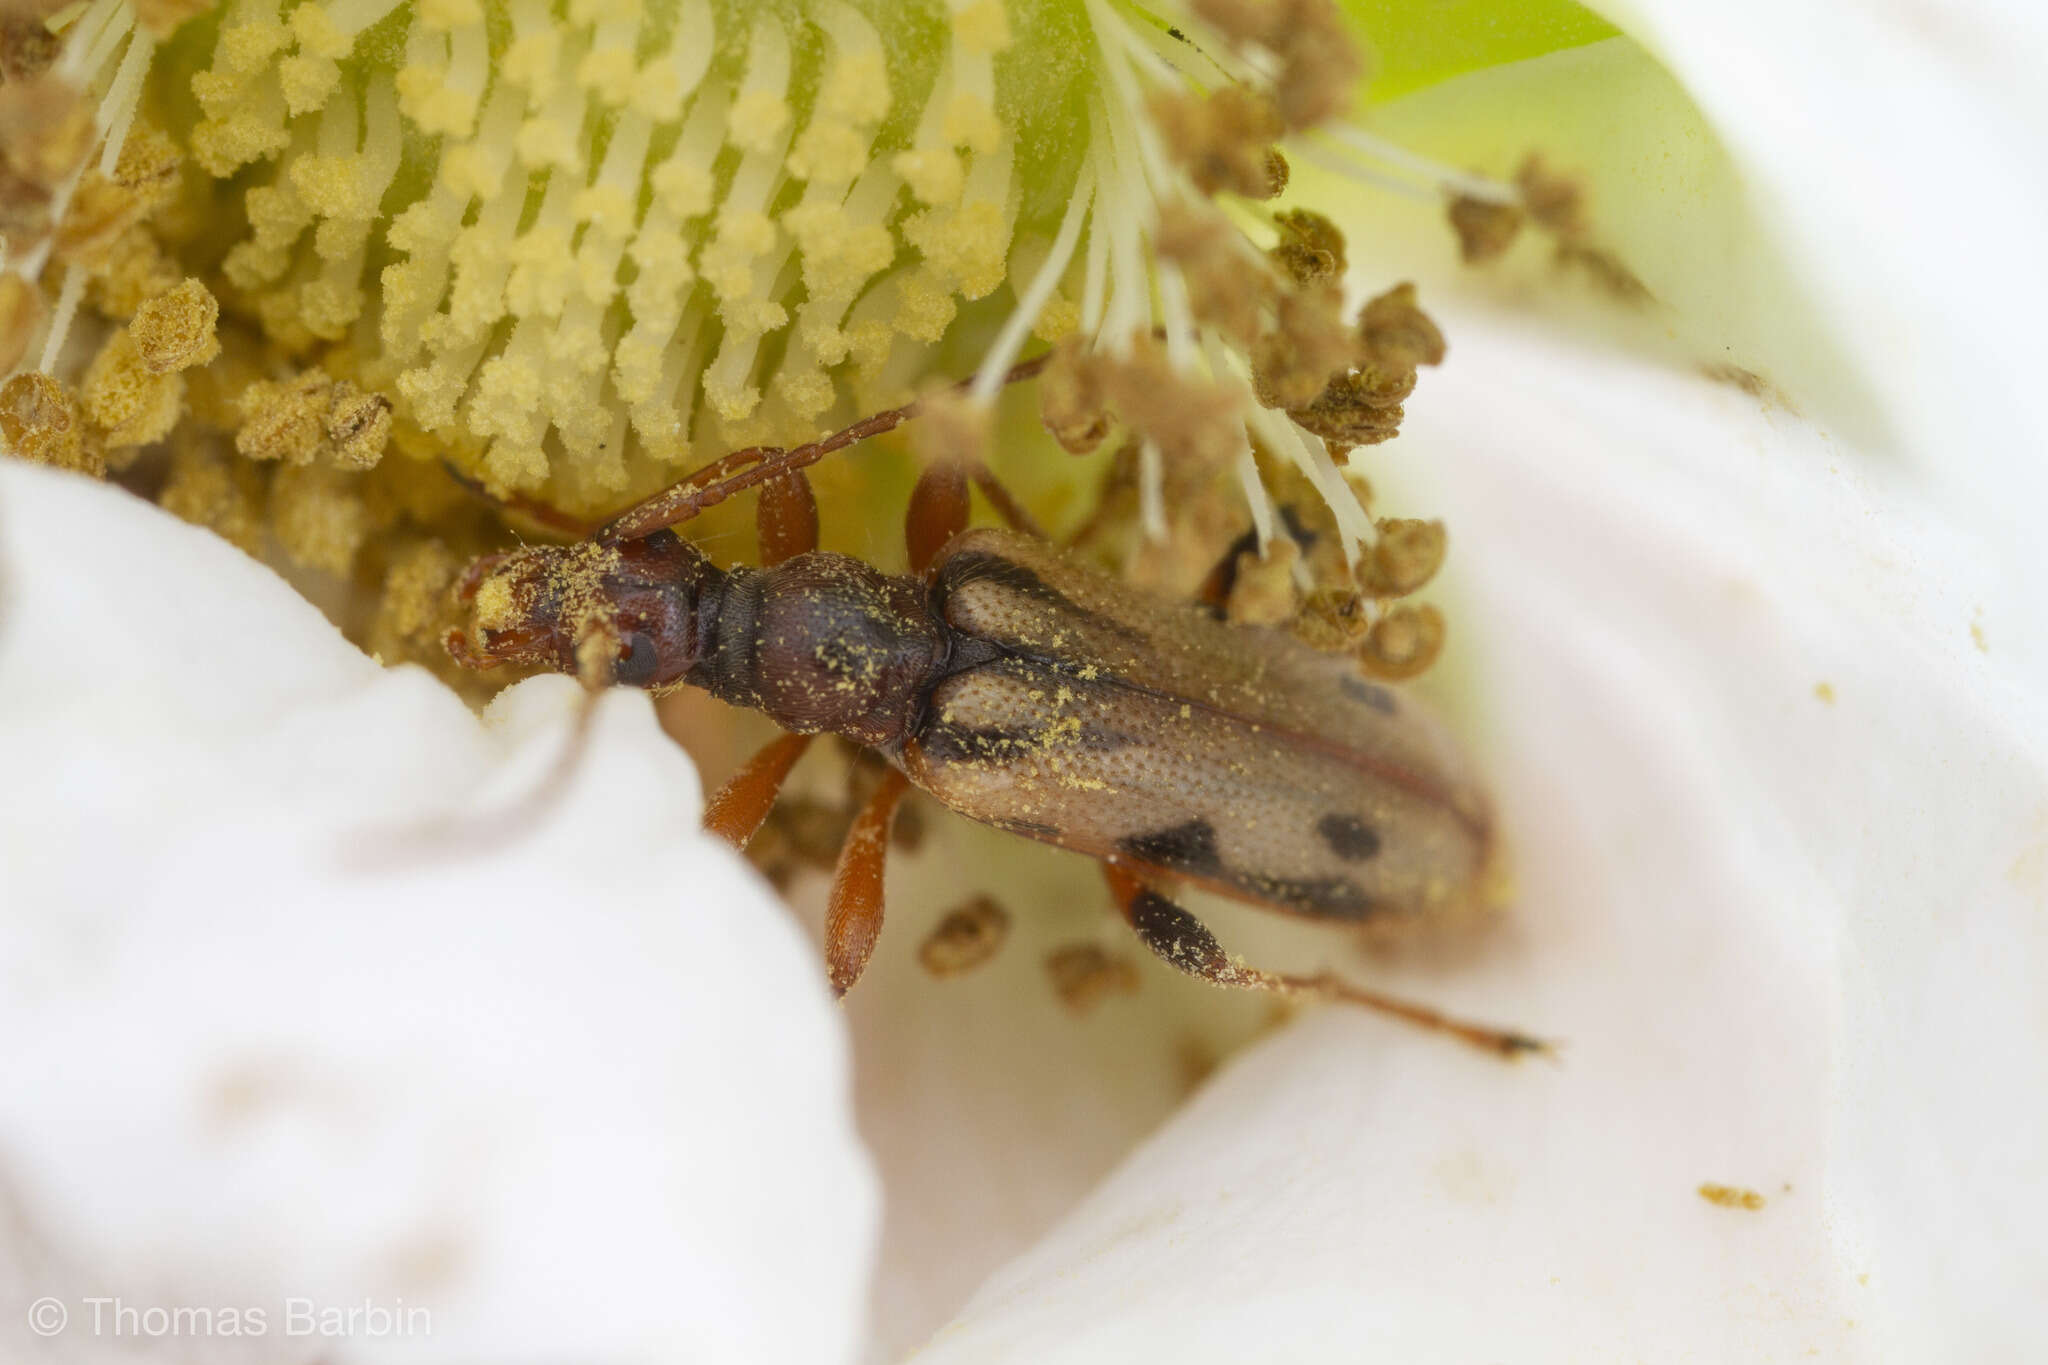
<point x="580" y="240"/>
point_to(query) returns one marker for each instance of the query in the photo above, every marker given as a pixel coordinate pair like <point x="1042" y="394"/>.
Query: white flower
<point x="1764" y="707"/>
<point x="576" y="1092"/>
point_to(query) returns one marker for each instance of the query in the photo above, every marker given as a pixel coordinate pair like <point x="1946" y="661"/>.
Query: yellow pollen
<point x="563" y="243"/>
<point x="982" y="27"/>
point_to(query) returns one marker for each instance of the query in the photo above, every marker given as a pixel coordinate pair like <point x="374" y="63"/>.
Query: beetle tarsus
<point x="1186" y="943"/>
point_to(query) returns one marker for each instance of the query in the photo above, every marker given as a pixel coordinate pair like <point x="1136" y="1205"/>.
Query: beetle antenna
<point x="533" y="509"/>
<point x="739" y="470"/>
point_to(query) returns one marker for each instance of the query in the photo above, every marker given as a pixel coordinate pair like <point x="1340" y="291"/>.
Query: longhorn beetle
<point x="1025" y="691"/>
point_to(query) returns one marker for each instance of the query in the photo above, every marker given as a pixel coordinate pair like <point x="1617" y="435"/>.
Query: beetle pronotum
<point x="1023" y="690"/>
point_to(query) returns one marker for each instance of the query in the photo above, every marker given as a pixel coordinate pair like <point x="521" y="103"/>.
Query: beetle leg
<point x="1186" y="943"/>
<point x="1005" y="502"/>
<point x="736" y="810"/>
<point x="853" y="911"/>
<point x="1217" y="583"/>
<point x="938" y="508"/>
<point x="938" y="512"/>
<point x="786" y="518"/>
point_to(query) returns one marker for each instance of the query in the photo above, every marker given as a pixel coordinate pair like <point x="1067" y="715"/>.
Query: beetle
<point x="1023" y="690"/>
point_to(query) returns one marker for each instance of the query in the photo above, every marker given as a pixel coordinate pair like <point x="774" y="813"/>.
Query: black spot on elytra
<point x="1183" y="848"/>
<point x="1320" y="897"/>
<point x="1372" y="694"/>
<point x="1349" y="837"/>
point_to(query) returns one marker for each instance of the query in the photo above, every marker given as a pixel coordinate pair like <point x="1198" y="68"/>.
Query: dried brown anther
<point x="1361" y="408"/>
<point x="312" y="416"/>
<point x="24" y="209"/>
<point x="1485" y="227"/>
<point x="1606" y="270"/>
<point x="1278" y="172"/>
<point x="1224" y="140"/>
<point x="1397" y="334"/>
<point x="1196" y="423"/>
<point x="1556" y="202"/>
<point x="174" y="331"/>
<point x="1319" y="64"/>
<point x="967" y="937"/>
<point x="1310" y="249"/>
<point x="41" y="421"/>
<point x="105" y="209"/>
<point x="1403" y="642"/>
<point x="1084" y="975"/>
<point x="802" y="833"/>
<point x="358" y="425"/>
<point x="1406" y="556"/>
<point x="1225" y="288"/>
<point x="1071" y="403"/>
<point x="1309" y="346"/>
<point x="952" y="428"/>
<point x="1262" y="588"/>
<point x="27" y="47"/>
<point x="46" y="130"/>
<point x="1332" y="620"/>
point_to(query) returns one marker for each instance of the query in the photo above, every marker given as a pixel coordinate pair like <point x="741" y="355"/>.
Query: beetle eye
<point x="635" y="667"/>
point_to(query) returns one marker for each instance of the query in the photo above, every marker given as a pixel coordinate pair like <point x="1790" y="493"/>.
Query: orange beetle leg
<point x="735" y="811"/>
<point x="853" y="912"/>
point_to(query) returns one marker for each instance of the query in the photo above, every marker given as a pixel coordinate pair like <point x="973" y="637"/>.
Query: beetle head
<point x="605" y="613"/>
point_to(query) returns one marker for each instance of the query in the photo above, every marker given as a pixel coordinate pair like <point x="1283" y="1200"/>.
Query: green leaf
<point x="1416" y="43"/>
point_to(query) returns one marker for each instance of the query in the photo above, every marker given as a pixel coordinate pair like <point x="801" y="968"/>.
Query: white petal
<point x="991" y="1108"/>
<point x="575" y="1088"/>
<point x="1792" y="946"/>
<point x="1900" y="154"/>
